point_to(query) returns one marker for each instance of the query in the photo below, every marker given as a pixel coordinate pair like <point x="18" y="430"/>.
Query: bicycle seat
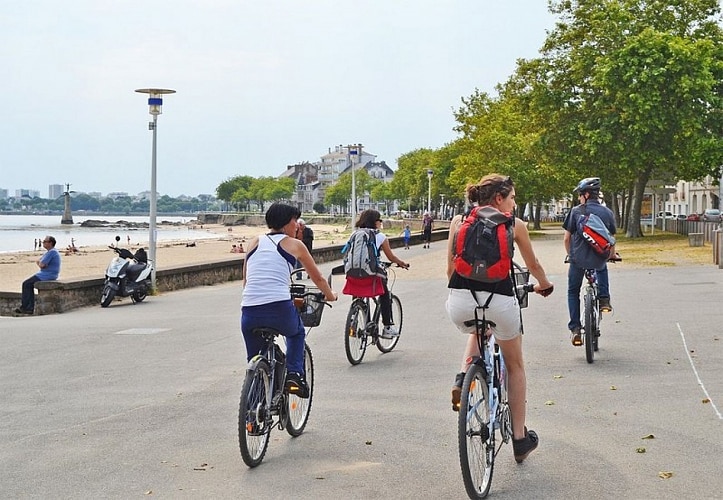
<point x="266" y="332"/>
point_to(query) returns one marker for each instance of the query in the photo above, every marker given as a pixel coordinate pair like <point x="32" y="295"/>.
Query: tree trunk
<point x="634" y="229"/>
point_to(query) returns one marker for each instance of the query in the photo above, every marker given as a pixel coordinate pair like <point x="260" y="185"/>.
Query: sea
<point x="18" y="233"/>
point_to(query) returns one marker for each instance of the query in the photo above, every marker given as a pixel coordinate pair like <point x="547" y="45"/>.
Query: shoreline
<point x="92" y="261"/>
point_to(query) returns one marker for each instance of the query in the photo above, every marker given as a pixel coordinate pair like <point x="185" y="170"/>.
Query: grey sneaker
<point x="389" y="332"/>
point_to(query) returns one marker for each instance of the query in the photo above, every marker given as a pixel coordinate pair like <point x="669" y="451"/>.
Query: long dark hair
<point x="368" y="218"/>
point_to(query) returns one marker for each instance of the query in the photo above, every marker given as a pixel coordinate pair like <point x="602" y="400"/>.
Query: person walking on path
<point x="427" y="222"/>
<point x="407" y="233"/>
<point x="582" y="256"/>
<point x="465" y="295"/>
<point x="49" y="265"/>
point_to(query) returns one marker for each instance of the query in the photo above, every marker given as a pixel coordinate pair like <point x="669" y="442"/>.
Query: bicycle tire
<point x="386" y="345"/>
<point x="254" y="418"/>
<point x="476" y="443"/>
<point x="297" y="408"/>
<point x="590" y="326"/>
<point x="355" y="335"/>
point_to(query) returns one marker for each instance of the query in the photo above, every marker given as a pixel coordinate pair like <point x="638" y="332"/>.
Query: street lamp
<point x="155" y="102"/>
<point x="353" y="150"/>
<point x="444" y="212"/>
<point x="430" y="172"/>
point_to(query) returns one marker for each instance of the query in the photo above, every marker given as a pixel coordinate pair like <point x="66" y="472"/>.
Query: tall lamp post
<point x="444" y="212"/>
<point x="155" y="103"/>
<point x="430" y="172"/>
<point x="353" y="149"/>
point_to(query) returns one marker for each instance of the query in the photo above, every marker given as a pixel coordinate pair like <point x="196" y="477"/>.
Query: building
<point x="27" y="193"/>
<point x="3" y="194"/>
<point x="692" y="197"/>
<point x="55" y="191"/>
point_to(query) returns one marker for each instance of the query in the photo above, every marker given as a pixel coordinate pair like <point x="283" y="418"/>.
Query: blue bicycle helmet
<point x="587" y="185"/>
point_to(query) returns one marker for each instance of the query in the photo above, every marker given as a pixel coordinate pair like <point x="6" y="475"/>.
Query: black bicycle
<point x="362" y="326"/>
<point x="483" y="405"/>
<point x="591" y="311"/>
<point x="264" y="403"/>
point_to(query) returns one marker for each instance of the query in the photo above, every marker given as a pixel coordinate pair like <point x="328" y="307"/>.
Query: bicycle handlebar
<point x="612" y="258"/>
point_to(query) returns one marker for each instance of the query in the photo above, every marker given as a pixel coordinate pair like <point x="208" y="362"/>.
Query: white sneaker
<point x="389" y="332"/>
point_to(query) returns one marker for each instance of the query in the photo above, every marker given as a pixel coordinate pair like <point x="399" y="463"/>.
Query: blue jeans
<point x="575" y="275"/>
<point x="283" y="317"/>
<point x="28" y="296"/>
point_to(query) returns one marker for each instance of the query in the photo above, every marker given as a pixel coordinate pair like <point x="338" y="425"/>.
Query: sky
<point x="260" y="85"/>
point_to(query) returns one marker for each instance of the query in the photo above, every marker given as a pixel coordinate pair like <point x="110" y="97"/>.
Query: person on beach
<point x="49" y="265"/>
<point x="266" y="300"/>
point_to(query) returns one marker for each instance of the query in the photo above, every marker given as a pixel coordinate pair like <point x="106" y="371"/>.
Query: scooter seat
<point x="134" y="270"/>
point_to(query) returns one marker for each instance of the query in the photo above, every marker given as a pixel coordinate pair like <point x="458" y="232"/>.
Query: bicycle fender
<point x="254" y="362"/>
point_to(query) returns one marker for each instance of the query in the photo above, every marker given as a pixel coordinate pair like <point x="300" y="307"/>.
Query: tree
<point x="632" y="91"/>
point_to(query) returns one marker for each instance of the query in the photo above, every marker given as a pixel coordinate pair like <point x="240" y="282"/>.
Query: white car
<point x="665" y="215"/>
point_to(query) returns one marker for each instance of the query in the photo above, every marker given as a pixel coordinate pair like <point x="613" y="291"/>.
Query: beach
<point x="92" y="261"/>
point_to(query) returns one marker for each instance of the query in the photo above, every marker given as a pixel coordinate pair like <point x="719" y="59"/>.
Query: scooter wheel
<point x="107" y="296"/>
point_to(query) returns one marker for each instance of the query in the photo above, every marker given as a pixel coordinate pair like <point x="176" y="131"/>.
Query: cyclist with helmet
<point x="582" y="256"/>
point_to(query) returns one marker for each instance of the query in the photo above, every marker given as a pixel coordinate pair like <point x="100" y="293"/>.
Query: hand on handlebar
<point x="546" y="291"/>
<point x="334" y="297"/>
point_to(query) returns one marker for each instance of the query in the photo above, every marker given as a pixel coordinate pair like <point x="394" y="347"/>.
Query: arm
<point x="566" y="239"/>
<point x="453" y="227"/>
<point x="254" y="243"/>
<point x="524" y="244"/>
<point x="387" y="249"/>
<point x="298" y="249"/>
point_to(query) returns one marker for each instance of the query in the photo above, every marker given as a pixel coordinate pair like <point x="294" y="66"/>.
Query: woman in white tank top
<point x="266" y="300"/>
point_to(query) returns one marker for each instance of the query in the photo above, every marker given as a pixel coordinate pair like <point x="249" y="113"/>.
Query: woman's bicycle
<point x="362" y="326"/>
<point x="264" y="403"/>
<point x="483" y="407"/>
<point x="591" y="311"/>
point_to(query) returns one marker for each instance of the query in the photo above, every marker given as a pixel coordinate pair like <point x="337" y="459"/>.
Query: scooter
<point x="128" y="275"/>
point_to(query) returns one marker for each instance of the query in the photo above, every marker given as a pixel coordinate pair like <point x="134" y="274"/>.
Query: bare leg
<point x="517" y="383"/>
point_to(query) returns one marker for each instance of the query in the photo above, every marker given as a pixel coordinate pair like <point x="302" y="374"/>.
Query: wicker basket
<point x="310" y="306"/>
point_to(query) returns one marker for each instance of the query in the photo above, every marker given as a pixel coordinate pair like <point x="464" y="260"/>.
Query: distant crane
<point x="67" y="213"/>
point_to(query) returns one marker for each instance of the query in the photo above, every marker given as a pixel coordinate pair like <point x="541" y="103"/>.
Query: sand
<point x="93" y="261"/>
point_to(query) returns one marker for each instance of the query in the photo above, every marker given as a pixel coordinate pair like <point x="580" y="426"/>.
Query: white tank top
<point x="268" y="272"/>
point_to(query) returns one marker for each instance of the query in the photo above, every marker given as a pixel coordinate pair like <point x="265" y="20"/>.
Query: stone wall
<point x="65" y="295"/>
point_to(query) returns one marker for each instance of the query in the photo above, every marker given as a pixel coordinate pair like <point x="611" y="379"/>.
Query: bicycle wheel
<point x="298" y="408"/>
<point x="476" y="443"/>
<point x="386" y="345"/>
<point x="355" y="335"/>
<point x="254" y="417"/>
<point x="590" y="326"/>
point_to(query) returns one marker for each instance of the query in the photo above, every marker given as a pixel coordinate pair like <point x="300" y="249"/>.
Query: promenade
<point x="141" y="401"/>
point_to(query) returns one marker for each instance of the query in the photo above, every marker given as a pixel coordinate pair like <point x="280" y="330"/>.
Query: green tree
<point x="632" y="91"/>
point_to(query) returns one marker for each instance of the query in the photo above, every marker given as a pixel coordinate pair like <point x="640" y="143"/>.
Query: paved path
<point x="141" y="401"/>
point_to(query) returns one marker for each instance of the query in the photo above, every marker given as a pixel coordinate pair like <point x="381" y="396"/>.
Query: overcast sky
<point x="260" y="84"/>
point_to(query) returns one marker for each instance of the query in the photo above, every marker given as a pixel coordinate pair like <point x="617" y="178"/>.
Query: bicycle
<point x="591" y="311"/>
<point x="264" y="403"/>
<point x="362" y="324"/>
<point x="483" y="406"/>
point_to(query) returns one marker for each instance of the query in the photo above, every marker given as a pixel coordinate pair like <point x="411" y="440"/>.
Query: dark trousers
<point x="385" y="304"/>
<point x="282" y="316"/>
<point x="28" y="300"/>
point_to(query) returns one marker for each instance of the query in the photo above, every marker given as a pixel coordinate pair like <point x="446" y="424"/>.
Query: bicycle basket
<point x="522" y="276"/>
<point x="310" y="306"/>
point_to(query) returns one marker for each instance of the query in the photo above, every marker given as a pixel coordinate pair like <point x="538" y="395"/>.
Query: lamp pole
<point x="353" y="149"/>
<point x="155" y="103"/>
<point x="430" y="172"/>
<point x="444" y="212"/>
